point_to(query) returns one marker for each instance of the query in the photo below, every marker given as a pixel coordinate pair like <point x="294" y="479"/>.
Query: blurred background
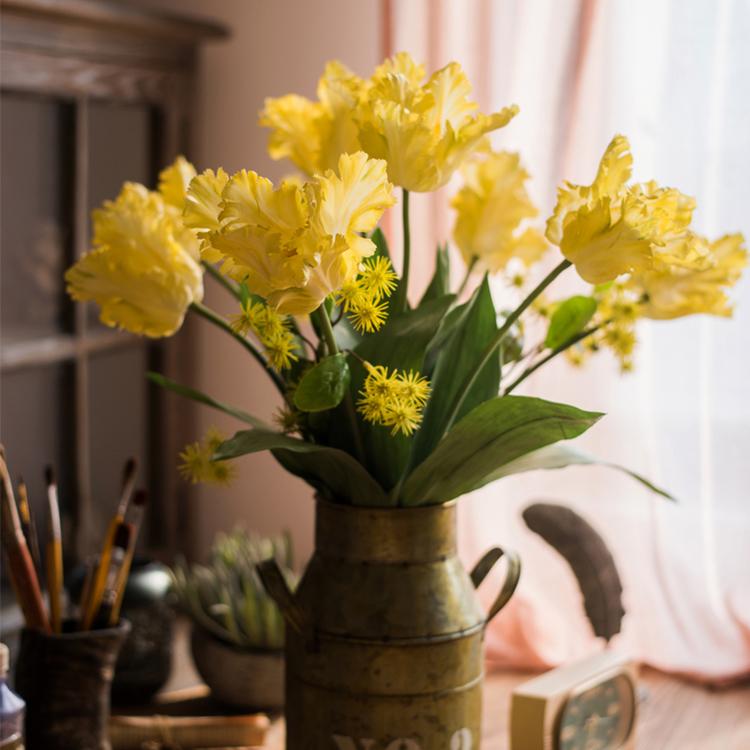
<point x="80" y="114"/>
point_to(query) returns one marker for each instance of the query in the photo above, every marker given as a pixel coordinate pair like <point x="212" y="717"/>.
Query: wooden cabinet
<point x="93" y="93"/>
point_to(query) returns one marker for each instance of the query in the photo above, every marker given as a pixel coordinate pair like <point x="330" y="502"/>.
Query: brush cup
<point x="65" y="680"/>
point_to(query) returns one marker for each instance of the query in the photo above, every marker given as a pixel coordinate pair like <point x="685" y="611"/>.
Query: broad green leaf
<point x="329" y="470"/>
<point x="202" y="398"/>
<point x="492" y="435"/>
<point x="381" y="244"/>
<point x="324" y="385"/>
<point x="569" y="318"/>
<point x="401" y="344"/>
<point x="441" y="279"/>
<point x="459" y="356"/>
<point x="560" y="455"/>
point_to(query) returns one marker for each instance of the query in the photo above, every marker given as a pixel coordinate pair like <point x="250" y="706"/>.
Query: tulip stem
<point x="329" y="337"/>
<point x="500" y="336"/>
<point x="401" y="300"/>
<point x="217" y="320"/>
<point x="551" y="355"/>
<point x="469" y="270"/>
<point x="230" y="286"/>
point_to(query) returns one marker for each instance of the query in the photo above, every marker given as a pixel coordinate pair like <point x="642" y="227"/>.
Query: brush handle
<point x="25" y="583"/>
<point x="55" y="583"/>
<point x="100" y="578"/>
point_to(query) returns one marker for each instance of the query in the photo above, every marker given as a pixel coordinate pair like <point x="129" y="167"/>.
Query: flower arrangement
<point x="384" y="403"/>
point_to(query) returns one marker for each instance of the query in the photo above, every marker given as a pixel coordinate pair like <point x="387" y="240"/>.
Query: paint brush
<point x="100" y="578"/>
<point x="22" y="573"/>
<point x="123" y="537"/>
<point x="28" y="525"/>
<point x="54" y="552"/>
<point x="135" y="518"/>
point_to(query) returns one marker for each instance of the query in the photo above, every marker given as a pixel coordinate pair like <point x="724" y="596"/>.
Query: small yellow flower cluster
<point x="272" y="331"/>
<point x="363" y="299"/>
<point x="394" y="399"/>
<point x="197" y="465"/>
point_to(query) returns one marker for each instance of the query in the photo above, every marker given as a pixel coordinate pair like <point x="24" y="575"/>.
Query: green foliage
<point x="202" y="398"/>
<point x="569" y="319"/>
<point x="560" y="455"/>
<point x="226" y="596"/>
<point x="324" y="385"/>
<point x="334" y="472"/>
<point x="440" y="285"/>
<point x="493" y="434"/>
<point x="401" y="343"/>
<point x="460" y="353"/>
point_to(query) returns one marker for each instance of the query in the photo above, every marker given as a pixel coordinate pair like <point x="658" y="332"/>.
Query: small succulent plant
<point x="226" y="596"/>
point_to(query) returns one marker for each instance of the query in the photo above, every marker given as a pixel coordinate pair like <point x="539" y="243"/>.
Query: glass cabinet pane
<point x="36" y="228"/>
<point x="118" y="423"/>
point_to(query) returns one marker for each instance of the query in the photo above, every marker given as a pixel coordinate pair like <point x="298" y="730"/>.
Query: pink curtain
<point x="673" y="77"/>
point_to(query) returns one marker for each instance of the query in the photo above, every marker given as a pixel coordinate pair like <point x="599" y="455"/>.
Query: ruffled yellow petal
<point x="674" y="292"/>
<point x="143" y="271"/>
<point x="174" y="181"/>
<point x="490" y="209"/>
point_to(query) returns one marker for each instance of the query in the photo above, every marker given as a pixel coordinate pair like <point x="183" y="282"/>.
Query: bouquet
<point x="381" y="402"/>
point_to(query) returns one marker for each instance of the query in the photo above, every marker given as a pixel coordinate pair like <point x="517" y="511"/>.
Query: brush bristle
<point x="49" y="475"/>
<point x="131" y="466"/>
<point x="122" y="535"/>
<point x="140" y="498"/>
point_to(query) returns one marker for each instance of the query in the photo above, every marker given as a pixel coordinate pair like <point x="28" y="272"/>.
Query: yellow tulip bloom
<point x="676" y="291"/>
<point x="314" y="134"/>
<point x="174" y="181"/>
<point x="609" y="228"/>
<point x="144" y="270"/>
<point x="202" y="206"/>
<point x="490" y="208"/>
<point x="424" y="130"/>
<point x="296" y="245"/>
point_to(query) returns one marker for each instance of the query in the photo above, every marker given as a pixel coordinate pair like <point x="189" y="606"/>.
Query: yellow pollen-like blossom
<point x="423" y="129"/>
<point x="378" y="278"/>
<point x="367" y="315"/>
<point x="491" y="209"/>
<point x="295" y="246"/>
<point x="272" y="331"/>
<point x="144" y="270"/>
<point x="394" y="399"/>
<point x="196" y="464"/>
<point x="609" y="228"/>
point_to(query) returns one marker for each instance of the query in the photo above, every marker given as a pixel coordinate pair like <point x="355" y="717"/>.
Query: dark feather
<point x="592" y="562"/>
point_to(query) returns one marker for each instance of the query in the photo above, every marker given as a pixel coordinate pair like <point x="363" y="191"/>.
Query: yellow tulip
<point x="424" y="130"/>
<point x="675" y="291"/>
<point x="490" y="209"/>
<point x="296" y="245"/>
<point x="609" y="228"/>
<point x="144" y="270"/>
<point x="174" y="181"/>
<point x="314" y="134"/>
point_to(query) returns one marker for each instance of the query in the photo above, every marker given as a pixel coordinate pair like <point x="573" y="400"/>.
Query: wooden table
<point x="674" y="714"/>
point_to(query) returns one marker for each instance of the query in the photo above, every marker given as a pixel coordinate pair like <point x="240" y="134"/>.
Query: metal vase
<point x="384" y="634"/>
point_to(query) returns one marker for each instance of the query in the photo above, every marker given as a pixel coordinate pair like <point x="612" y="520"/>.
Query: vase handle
<point x="483" y="567"/>
<point x="278" y="589"/>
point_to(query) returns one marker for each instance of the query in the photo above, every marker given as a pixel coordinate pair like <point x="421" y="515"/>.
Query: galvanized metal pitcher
<point x="384" y="633"/>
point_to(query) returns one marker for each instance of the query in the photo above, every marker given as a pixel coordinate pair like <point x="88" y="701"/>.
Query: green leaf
<point x="570" y="318"/>
<point x="492" y="435"/>
<point x="459" y="356"/>
<point x="381" y="244"/>
<point x="560" y="455"/>
<point x="202" y="398"/>
<point x="324" y="385"/>
<point x="337" y="474"/>
<point x="441" y="279"/>
<point x="401" y="344"/>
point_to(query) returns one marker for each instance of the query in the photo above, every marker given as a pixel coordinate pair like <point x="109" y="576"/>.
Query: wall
<point x="276" y="48"/>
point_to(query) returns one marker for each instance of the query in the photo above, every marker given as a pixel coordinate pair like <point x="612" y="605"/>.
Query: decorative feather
<point x="590" y="559"/>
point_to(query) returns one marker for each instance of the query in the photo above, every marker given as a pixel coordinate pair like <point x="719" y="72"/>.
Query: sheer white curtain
<point x="674" y="76"/>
